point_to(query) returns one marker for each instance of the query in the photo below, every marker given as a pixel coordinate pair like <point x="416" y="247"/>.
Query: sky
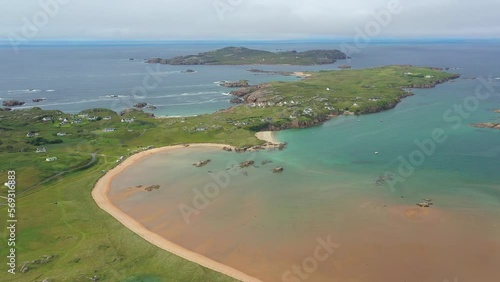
<point x="247" y="19"/>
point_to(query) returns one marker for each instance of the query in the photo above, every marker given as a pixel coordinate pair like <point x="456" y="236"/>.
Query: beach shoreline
<point x="100" y="196"/>
<point x="267" y="136"/>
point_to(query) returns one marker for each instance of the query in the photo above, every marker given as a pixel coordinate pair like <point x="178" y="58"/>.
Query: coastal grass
<point x="57" y="217"/>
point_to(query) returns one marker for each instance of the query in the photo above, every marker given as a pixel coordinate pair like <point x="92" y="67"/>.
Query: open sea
<point x="266" y="224"/>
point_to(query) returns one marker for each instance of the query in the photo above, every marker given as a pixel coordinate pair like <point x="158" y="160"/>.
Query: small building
<point x="61" y="134"/>
<point x="52" y="159"/>
<point x="94" y="118"/>
<point x="128" y="120"/>
<point x="41" y="150"/>
<point x="32" y="134"/>
<point x="46" y="119"/>
<point x="109" y="129"/>
<point x="106" y="118"/>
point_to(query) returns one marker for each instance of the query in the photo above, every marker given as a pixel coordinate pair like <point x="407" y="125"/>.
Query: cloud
<point x="250" y="19"/>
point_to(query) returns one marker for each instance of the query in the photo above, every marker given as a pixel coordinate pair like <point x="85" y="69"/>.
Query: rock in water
<point x="277" y="169"/>
<point x="201" y="163"/>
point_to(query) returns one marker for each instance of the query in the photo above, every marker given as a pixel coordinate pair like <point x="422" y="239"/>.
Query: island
<point x="246" y="56"/>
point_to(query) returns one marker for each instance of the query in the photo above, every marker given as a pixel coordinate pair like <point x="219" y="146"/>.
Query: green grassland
<point x="57" y="217"/>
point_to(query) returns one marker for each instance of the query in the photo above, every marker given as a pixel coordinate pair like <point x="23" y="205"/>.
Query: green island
<point x="58" y="157"/>
<point x="246" y="56"/>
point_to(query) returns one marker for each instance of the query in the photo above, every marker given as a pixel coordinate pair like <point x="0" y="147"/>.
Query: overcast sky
<point x="248" y="19"/>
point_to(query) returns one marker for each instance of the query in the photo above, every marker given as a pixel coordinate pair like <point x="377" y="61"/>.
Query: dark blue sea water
<point x="73" y="78"/>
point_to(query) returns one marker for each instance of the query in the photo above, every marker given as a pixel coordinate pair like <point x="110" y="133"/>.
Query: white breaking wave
<point x="22" y="91"/>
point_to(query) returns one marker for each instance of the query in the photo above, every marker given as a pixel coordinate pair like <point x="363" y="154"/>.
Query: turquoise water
<point x="468" y="161"/>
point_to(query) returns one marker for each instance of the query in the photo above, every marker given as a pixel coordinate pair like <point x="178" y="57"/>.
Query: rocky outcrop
<point x="236" y="100"/>
<point x="427" y="203"/>
<point x="237" y="84"/>
<point x="143" y="105"/>
<point x="344" y="67"/>
<point x="201" y="163"/>
<point x="135" y="111"/>
<point x="246" y="164"/>
<point x="152" y="188"/>
<point x="252" y="94"/>
<point x="277" y="169"/>
<point x="39" y="100"/>
<point x="491" y="125"/>
<point x="140" y="105"/>
<point x="12" y="103"/>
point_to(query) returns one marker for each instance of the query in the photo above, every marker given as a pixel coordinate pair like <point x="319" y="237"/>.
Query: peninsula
<point x="246" y="56"/>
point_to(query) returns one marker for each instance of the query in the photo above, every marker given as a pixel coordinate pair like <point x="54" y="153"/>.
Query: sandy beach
<point x="301" y="74"/>
<point x="267" y="136"/>
<point x="100" y="195"/>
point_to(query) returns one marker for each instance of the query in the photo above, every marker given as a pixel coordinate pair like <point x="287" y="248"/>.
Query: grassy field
<point x="62" y="234"/>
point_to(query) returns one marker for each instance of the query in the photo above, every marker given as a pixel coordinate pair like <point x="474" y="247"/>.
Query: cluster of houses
<point x="75" y="119"/>
<point x="418" y="74"/>
<point x="272" y="104"/>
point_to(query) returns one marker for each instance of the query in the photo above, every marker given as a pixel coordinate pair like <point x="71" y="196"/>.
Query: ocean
<point x="265" y="224"/>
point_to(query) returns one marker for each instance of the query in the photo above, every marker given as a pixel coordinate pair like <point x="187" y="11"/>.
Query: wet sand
<point x="100" y="191"/>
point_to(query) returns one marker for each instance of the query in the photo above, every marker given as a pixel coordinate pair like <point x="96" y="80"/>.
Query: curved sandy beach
<point x="100" y="195"/>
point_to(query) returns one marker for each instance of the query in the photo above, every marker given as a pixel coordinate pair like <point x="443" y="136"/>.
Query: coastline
<point x="100" y="196"/>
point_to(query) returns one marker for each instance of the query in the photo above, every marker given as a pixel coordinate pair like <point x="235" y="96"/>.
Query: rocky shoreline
<point x="254" y="94"/>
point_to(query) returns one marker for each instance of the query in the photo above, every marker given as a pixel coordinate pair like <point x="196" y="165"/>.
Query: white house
<point x="109" y="129"/>
<point x="41" y="150"/>
<point x="52" y="159"/>
<point x="60" y="134"/>
<point x="32" y="134"/>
